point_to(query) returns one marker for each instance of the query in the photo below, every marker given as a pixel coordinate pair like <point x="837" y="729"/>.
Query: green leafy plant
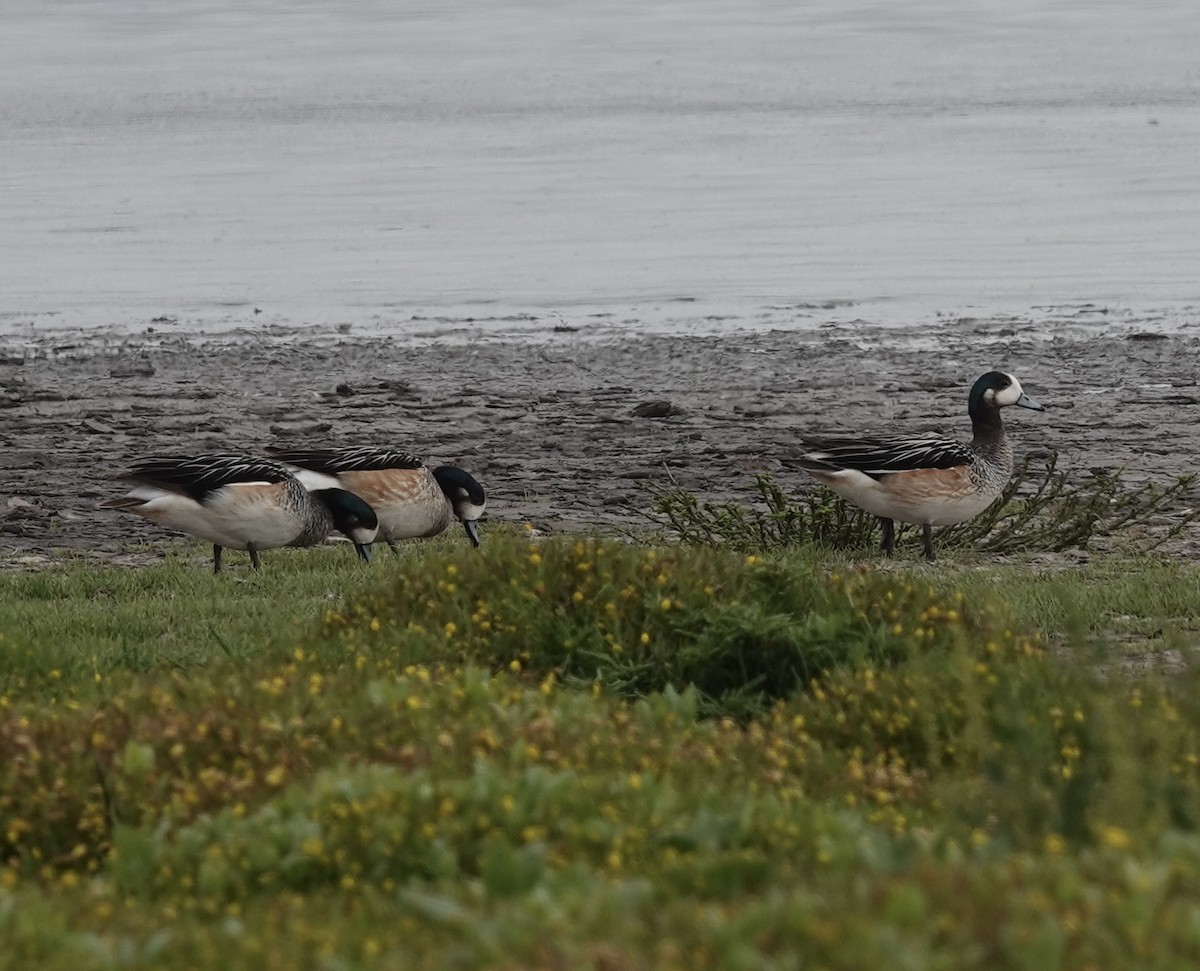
<point x="1043" y="508"/>
<point x="741" y="630"/>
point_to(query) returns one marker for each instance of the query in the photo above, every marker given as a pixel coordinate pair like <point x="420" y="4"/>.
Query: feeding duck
<point x="240" y="502"/>
<point x="411" y="499"/>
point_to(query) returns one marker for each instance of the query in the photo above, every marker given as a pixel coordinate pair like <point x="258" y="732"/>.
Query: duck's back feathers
<point x="876" y="457"/>
<point x="337" y="460"/>
<point x="199" y="476"/>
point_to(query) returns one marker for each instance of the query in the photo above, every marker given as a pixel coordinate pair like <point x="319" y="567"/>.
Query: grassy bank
<point x="590" y="754"/>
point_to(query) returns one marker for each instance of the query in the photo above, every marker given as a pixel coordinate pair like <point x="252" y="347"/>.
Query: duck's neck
<point x="314" y="514"/>
<point x="317" y="525"/>
<point x="989" y="440"/>
<point x="444" y="514"/>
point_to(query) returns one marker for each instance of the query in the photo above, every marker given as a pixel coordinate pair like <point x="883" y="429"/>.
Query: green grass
<point x="586" y="754"/>
<point x="173" y="614"/>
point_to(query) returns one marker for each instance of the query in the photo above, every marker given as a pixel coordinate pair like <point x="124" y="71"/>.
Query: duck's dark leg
<point x="216" y="558"/>
<point x="928" y="532"/>
<point x="253" y="551"/>
<point x="392" y="546"/>
<point x="889" y="536"/>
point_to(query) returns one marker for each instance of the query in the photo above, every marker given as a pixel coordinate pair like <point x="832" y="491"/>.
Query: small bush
<point x="741" y="631"/>
<point x="509" y="827"/>
<point x="1016" y="745"/>
<point x="1041" y="509"/>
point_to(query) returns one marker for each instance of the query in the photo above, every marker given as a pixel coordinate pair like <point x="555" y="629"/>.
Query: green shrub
<point x="741" y="631"/>
<point x="1042" y="508"/>
<point x="1015" y="745"/>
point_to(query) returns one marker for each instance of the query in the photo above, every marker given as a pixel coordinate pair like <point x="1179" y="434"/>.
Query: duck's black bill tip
<point x="1027" y="402"/>
<point x="364" y="551"/>
<point x="472" y="528"/>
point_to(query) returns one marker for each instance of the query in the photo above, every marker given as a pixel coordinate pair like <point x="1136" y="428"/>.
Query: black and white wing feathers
<point x="331" y="461"/>
<point x="879" y="457"/>
<point x="198" y="476"/>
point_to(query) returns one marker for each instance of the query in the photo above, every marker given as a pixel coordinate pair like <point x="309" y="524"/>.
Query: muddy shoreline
<point x="547" y="420"/>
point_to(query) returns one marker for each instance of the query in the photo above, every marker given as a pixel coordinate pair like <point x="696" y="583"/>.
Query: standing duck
<point x="928" y="481"/>
<point x="410" y="499"/>
<point x="244" y="503"/>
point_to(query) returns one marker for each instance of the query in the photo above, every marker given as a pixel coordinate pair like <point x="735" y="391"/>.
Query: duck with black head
<point x="412" y="500"/>
<point x="241" y="502"/>
<point x="925" y="480"/>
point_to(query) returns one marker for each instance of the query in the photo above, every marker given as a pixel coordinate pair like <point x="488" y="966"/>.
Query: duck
<point x="241" y="502"/>
<point x="411" y="499"/>
<point x="927" y="481"/>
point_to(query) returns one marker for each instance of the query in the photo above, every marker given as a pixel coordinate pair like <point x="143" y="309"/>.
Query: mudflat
<point x="566" y="423"/>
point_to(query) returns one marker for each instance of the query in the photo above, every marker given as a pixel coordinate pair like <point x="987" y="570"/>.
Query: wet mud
<point x="566" y="425"/>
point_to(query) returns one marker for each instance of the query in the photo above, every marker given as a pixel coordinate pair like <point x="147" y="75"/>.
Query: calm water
<point x="357" y="160"/>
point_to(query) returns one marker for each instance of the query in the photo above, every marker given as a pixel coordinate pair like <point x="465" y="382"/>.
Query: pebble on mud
<point x="656" y="409"/>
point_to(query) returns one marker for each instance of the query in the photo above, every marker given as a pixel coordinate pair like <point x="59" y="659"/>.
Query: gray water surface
<point x="375" y="160"/>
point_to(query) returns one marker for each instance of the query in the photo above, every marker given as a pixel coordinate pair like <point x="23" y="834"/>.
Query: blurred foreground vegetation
<point x="591" y="754"/>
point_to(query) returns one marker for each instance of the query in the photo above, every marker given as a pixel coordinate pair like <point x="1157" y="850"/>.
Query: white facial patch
<point x="1010" y="395"/>
<point x="468" y="511"/>
<point x="364" y="535"/>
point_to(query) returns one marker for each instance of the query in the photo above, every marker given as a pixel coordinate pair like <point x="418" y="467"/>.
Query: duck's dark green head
<point x="996" y="390"/>
<point x="466" y="497"/>
<point x="352" y="517"/>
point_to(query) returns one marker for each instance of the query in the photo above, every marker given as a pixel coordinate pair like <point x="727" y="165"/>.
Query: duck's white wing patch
<point x="316" y="480"/>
